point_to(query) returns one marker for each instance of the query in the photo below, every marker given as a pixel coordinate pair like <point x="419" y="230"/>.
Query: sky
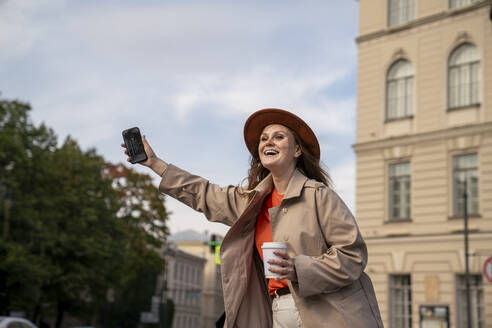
<point x="188" y="73"/>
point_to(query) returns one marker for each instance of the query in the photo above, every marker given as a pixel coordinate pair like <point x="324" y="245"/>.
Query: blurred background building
<point x="183" y="279"/>
<point x="424" y="127"/>
<point x="194" y="279"/>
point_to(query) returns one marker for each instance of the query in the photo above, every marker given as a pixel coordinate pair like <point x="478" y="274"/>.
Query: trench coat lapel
<point x="296" y="183"/>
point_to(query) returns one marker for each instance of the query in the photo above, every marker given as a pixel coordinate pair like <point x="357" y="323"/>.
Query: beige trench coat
<point x="321" y="236"/>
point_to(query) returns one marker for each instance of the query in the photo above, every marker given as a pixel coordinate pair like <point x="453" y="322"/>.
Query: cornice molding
<point x="444" y="134"/>
<point x="444" y="236"/>
<point x="421" y="21"/>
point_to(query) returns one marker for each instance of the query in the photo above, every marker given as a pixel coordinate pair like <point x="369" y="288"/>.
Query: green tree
<point x="25" y="157"/>
<point x="143" y="211"/>
<point x="86" y="235"/>
<point x="72" y="231"/>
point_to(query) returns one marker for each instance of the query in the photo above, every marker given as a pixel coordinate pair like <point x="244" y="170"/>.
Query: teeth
<point x="270" y="152"/>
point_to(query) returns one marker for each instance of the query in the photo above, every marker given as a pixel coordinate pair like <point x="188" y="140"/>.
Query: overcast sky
<point x="188" y="73"/>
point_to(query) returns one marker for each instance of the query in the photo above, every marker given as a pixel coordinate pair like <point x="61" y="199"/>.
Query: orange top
<point x="263" y="234"/>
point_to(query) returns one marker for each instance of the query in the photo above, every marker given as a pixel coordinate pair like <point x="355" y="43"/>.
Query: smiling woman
<point x="317" y="274"/>
<point x="278" y="152"/>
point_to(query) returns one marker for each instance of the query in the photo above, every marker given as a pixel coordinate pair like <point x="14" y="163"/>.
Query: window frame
<point x="403" y="178"/>
<point x="406" y="300"/>
<point x="455" y="192"/>
<point x="469" y="84"/>
<point x="477" y="300"/>
<point x="410" y="16"/>
<point x="453" y="3"/>
<point x="409" y="80"/>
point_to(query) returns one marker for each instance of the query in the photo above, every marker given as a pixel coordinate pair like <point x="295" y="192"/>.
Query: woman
<point x="321" y="282"/>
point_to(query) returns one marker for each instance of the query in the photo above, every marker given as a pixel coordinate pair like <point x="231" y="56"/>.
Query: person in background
<point x="288" y="199"/>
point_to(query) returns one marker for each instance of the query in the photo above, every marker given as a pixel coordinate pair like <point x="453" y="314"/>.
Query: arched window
<point x="399" y="90"/>
<point x="464" y="76"/>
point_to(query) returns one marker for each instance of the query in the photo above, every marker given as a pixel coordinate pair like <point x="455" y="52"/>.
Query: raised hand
<point x="151" y="157"/>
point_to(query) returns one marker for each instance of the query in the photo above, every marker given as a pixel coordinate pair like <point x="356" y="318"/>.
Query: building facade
<point x="183" y="281"/>
<point x="424" y="136"/>
<point x="205" y="247"/>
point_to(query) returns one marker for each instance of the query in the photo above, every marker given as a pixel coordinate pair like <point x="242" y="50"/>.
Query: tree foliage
<point x="142" y="209"/>
<point x="71" y="231"/>
<point x="25" y="159"/>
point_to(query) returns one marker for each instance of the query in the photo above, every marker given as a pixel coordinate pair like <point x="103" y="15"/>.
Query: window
<point x="461" y="3"/>
<point x="400" y="301"/>
<point x="465" y="168"/>
<point x="399" y="191"/>
<point x="399" y="90"/>
<point x="464" y="75"/>
<point x="476" y="301"/>
<point x="399" y="12"/>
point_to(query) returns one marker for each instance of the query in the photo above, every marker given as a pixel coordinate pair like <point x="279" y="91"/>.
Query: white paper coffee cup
<point x="268" y="249"/>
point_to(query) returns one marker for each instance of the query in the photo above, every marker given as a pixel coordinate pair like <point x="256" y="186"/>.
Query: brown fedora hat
<point x="260" y="119"/>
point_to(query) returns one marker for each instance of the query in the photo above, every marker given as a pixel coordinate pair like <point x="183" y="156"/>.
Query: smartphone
<point x="134" y="145"/>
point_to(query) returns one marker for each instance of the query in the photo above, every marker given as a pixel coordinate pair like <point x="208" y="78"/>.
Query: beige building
<point x="212" y="301"/>
<point x="424" y="127"/>
<point x="183" y="284"/>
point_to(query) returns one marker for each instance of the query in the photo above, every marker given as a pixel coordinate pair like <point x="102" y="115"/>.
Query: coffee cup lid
<point x="273" y="245"/>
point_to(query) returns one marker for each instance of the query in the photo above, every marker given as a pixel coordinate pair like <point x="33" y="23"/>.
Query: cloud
<point x="266" y="87"/>
<point x="16" y="34"/>
<point x="191" y="36"/>
<point x="184" y="37"/>
<point x="182" y="218"/>
<point x="98" y="65"/>
<point x="343" y="177"/>
<point x="188" y="72"/>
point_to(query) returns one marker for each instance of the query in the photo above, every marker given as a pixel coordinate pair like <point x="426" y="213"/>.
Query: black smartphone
<point x="134" y="145"/>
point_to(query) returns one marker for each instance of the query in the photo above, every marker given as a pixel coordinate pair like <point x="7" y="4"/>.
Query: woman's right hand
<point x="151" y="157"/>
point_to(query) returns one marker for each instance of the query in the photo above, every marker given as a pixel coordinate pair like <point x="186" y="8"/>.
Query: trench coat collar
<point x="296" y="183"/>
<point x="294" y="188"/>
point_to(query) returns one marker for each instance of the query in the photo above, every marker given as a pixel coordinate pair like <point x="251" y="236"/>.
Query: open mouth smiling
<point x="270" y="152"/>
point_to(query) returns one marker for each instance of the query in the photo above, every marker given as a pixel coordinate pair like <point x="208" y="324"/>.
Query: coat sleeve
<point x="346" y="256"/>
<point x="219" y="204"/>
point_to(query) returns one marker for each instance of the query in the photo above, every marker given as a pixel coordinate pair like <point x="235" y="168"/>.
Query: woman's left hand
<point x="286" y="268"/>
